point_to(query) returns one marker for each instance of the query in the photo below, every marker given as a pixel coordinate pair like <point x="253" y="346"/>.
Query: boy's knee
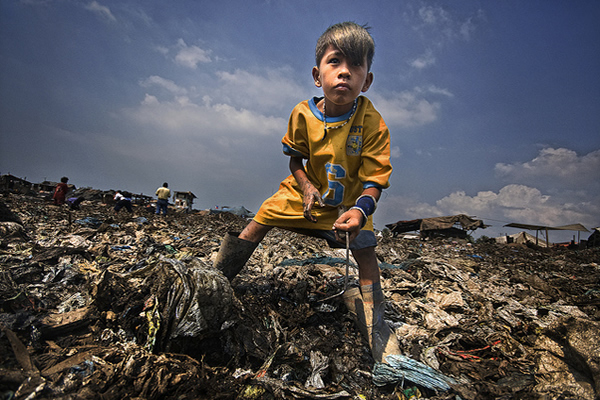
<point x="254" y="232"/>
<point x="364" y="252"/>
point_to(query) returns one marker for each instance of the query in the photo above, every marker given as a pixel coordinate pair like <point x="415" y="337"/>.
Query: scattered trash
<point x="97" y="306"/>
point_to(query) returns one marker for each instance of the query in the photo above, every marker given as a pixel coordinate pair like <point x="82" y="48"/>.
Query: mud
<point x="95" y="305"/>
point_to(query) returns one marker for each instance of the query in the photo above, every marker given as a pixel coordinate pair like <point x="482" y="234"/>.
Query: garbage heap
<point x="97" y="305"/>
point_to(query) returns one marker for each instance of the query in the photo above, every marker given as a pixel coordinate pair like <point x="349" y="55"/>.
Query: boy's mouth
<point x="342" y="86"/>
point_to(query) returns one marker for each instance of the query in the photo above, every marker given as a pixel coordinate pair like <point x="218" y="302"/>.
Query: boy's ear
<point x="315" y="74"/>
<point x="368" y="82"/>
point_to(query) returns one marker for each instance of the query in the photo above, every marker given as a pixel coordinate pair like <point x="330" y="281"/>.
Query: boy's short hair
<point x="352" y="39"/>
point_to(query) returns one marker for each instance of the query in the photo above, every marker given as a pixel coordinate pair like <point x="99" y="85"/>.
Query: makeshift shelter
<point x="542" y="228"/>
<point x="184" y="200"/>
<point x="594" y="239"/>
<point x="521" y="238"/>
<point x="13" y="183"/>
<point x="452" y="226"/>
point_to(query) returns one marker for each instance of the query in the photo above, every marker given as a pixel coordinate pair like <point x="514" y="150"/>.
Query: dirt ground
<point x="95" y="305"/>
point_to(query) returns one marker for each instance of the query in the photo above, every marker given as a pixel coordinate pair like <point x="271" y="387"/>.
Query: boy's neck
<point x="331" y="110"/>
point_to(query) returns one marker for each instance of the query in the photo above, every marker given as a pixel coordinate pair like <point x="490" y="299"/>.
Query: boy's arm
<point x="310" y="193"/>
<point x="353" y="220"/>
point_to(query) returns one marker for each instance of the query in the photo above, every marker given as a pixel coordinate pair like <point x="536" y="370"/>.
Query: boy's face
<point x="342" y="80"/>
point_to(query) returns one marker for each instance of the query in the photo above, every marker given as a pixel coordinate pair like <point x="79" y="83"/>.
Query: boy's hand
<point x="349" y="222"/>
<point x="311" y="195"/>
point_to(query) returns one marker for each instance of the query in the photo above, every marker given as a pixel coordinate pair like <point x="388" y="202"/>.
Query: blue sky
<point x="494" y="107"/>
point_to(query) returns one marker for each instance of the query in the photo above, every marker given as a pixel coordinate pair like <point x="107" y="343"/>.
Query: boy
<point x="346" y="144"/>
<point x="60" y="192"/>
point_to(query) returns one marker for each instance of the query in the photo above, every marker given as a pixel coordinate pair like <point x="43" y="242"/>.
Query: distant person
<point x="60" y="191"/>
<point x="123" y="200"/>
<point x="163" y="193"/>
<point x="74" y="202"/>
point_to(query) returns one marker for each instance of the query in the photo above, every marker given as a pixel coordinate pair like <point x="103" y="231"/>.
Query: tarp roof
<point x="571" y="227"/>
<point x="435" y="223"/>
<point x="189" y="193"/>
<point x="14" y="178"/>
<point x="239" y="211"/>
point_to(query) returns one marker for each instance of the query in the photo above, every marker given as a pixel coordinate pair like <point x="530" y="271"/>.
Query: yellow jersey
<point x="341" y="163"/>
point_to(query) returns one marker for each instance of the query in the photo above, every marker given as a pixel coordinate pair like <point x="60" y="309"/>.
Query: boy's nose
<point x="344" y="71"/>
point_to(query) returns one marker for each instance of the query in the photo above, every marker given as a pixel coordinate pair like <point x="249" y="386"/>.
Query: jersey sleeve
<point x="376" y="169"/>
<point x="295" y="142"/>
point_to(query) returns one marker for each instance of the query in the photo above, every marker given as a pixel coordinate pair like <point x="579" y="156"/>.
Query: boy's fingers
<point x="309" y="200"/>
<point x="320" y="201"/>
<point x="307" y="211"/>
<point x="309" y="216"/>
<point x="340" y="235"/>
<point x="315" y="197"/>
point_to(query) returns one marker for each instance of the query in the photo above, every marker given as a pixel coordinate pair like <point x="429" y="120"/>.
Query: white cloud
<point x="431" y="15"/>
<point x="162" y="50"/>
<point x="556" y="167"/>
<point x="103" y="11"/>
<point x="205" y="137"/>
<point x="519" y="203"/>
<point x="439" y="27"/>
<point x="436" y="90"/>
<point x="149" y="100"/>
<point x="510" y="199"/>
<point x="470" y="25"/>
<point x="240" y="108"/>
<point x="167" y="84"/>
<point x="424" y="61"/>
<point x="219" y="122"/>
<point x="270" y="91"/>
<point x="191" y="56"/>
<point x="445" y="26"/>
<point x="409" y="108"/>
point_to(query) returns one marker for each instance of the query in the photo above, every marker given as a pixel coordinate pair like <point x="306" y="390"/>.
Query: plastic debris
<point x="89" y="221"/>
<point x="319" y="364"/>
<point x="399" y="368"/>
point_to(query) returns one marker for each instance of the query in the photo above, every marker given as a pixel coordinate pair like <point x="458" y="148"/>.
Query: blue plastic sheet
<point x="400" y="368"/>
<point x="89" y="221"/>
